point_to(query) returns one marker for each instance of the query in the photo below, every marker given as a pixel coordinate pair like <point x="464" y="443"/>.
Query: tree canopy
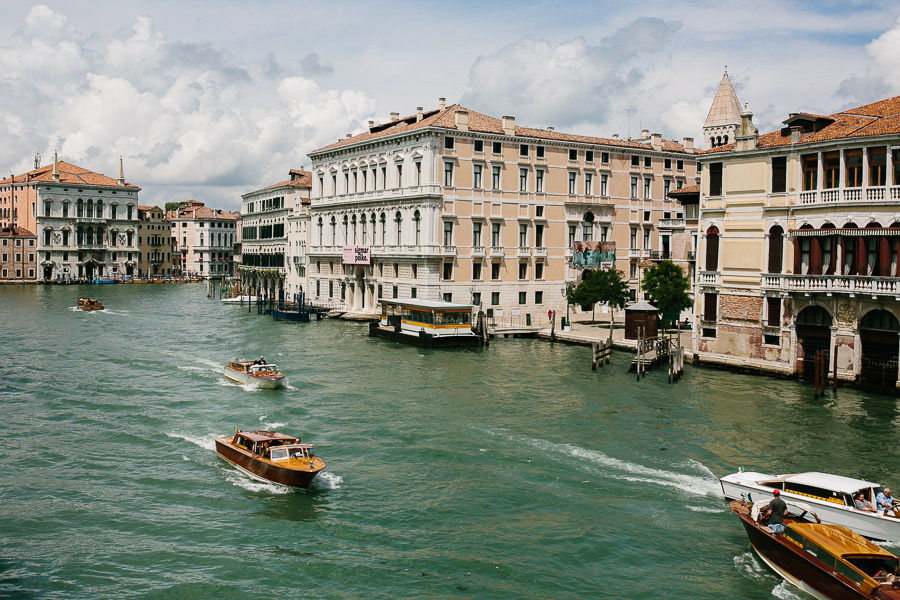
<point x="608" y="287"/>
<point x="666" y="286"/>
<point x="172" y="206"/>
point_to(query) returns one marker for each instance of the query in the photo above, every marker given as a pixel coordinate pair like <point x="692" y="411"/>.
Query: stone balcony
<point x="708" y="278"/>
<point x="497" y="251"/>
<point x="448" y="250"/>
<point x="524" y="252"/>
<point x="477" y="250"/>
<point x="832" y="284"/>
<point x="859" y="194"/>
<point x="540" y="251"/>
<point x="671" y="224"/>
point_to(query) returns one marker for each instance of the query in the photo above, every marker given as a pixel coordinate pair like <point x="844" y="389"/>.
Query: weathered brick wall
<point x="740" y="308"/>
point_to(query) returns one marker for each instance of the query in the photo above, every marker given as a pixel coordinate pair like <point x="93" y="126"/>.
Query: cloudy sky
<point x="209" y="99"/>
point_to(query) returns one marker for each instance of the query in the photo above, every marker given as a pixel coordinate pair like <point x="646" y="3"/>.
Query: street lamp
<point x="567" y="294"/>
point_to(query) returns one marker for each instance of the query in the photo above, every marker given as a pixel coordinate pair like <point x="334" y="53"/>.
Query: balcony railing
<point x="524" y="251"/>
<point x="867" y="194"/>
<point x="496" y="250"/>
<point x="540" y="251"/>
<point x="415" y="190"/>
<point x="841" y="284"/>
<point x="671" y="223"/>
<point x="477" y="250"/>
<point x="448" y="250"/>
<point x="709" y="278"/>
<point x="634" y="253"/>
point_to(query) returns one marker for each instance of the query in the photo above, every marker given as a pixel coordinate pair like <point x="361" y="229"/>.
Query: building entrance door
<point x="878" y="334"/>
<point x="813" y="334"/>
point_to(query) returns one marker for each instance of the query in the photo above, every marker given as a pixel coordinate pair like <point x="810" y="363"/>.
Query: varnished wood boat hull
<point x="260" y="382"/>
<point x="298" y="478"/>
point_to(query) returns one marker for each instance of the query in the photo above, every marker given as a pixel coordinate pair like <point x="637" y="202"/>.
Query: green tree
<point x="171" y="205"/>
<point x="608" y="287"/>
<point x="666" y="288"/>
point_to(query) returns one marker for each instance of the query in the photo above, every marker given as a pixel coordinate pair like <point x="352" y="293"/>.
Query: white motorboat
<point x="239" y="300"/>
<point x="830" y="496"/>
<point x="262" y="375"/>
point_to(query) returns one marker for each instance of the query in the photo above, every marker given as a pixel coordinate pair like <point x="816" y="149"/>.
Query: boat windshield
<point x="279" y="453"/>
<point x="263" y="368"/>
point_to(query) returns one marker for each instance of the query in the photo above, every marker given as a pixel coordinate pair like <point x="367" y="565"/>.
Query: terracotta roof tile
<point x="686" y="190"/>
<point x="17" y="232"/>
<point x="481" y="123"/>
<point x="68" y="173"/>
<point x="878" y="118"/>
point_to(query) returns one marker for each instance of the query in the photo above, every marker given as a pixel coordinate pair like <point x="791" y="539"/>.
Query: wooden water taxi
<point x="271" y="457"/>
<point x="89" y="304"/>
<point x="827" y="561"/>
<point x="831" y="496"/>
<point x="256" y="372"/>
<point x="429" y="323"/>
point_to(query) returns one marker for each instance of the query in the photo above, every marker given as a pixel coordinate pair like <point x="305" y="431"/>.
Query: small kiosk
<point x="641" y="314"/>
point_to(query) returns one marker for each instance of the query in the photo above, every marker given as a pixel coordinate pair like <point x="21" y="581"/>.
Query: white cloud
<point x="189" y="119"/>
<point x="882" y="78"/>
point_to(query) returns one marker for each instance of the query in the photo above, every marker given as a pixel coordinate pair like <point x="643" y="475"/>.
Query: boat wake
<point x="274" y="425"/>
<point x="240" y="480"/>
<point x="749" y="565"/>
<point x="207" y="442"/>
<point x="327" y="481"/>
<point x="704" y="483"/>
<point x="786" y="591"/>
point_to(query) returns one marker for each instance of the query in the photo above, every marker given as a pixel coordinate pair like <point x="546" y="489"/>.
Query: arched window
<point x="724" y="140"/>
<point x="712" y="142"/>
<point x="79" y="208"/>
<point x="99" y="209"/>
<point x="718" y="140"/>
<point x="90" y="209"/>
<point x="417" y="219"/>
<point x="346" y="229"/>
<point x="373" y="228"/>
<point x="712" y="249"/>
<point x="776" y="249"/>
<point x="320" y="231"/>
<point x="399" y="219"/>
<point x="362" y="225"/>
<point x="587" y="227"/>
<point x="383" y="220"/>
<point x="333" y="231"/>
<point x="353" y="224"/>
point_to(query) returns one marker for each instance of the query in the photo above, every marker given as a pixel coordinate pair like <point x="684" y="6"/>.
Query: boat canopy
<point x="424" y="304"/>
<point x="839" y="540"/>
<point x="266" y="436"/>
<point x="837" y="483"/>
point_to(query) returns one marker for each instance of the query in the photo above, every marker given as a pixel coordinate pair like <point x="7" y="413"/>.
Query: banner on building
<point x="356" y="255"/>
<point x="594" y="255"/>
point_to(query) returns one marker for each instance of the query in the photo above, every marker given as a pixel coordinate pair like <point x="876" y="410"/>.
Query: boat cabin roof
<point x="425" y="304"/>
<point x="266" y="436"/>
<point x="839" y="540"/>
<point x="837" y="483"/>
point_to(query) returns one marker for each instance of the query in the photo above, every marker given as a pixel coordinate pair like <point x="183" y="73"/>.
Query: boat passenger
<point x="884" y="501"/>
<point x="775" y="512"/>
<point x="860" y="502"/>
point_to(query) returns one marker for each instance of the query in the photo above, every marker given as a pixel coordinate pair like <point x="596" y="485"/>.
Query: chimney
<point x="616" y="136"/>
<point x="420" y="114"/>
<point x="509" y="125"/>
<point x="747" y="137"/>
<point x="645" y="134"/>
<point x="462" y="120"/>
<point x="348" y="136"/>
<point x="689" y="145"/>
<point x="795" y="134"/>
<point x="442" y="103"/>
<point x="656" y="141"/>
<point x="55" y="174"/>
<point x="395" y="117"/>
<point x="551" y="128"/>
<point x="371" y="124"/>
<point x="121" y="178"/>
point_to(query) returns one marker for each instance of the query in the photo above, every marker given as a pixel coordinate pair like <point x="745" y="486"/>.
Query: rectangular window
<point x="810" y="163"/>
<point x="604" y="158"/>
<point x="679" y="165"/>
<point x="895" y="160"/>
<point x="572" y="179"/>
<point x="448" y="233"/>
<point x="715" y="179"/>
<point x="831" y="169"/>
<point x="571" y="236"/>
<point x="448" y="270"/>
<point x="538" y="271"/>
<point x="523" y="235"/>
<point x="667" y="185"/>
<point x="412" y="292"/>
<point x="573" y="154"/>
<point x="495" y="298"/>
<point x="476" y="298"/>
<point x="667" y="164"/>
<point x="538" y="211"/>
<point x="647" y="188"/>
<point x="523" y="180"/>
<point x="394" y="291"/>
<point x="634" y="188"/>
<point x="877" y="166"/>
<point x="539" y="181"/>
<point x="495" y="178"/>
<point x="448" y="297"/>
<point x="415" y="270"/>
<point x="647" y="162"/>
<point x="539" y="297"/>
<point x="589" y="156"/>
<point x="495" y="270"/>
<point x="476" y="176"/>
<point x="476" y="270"/>
<point x="418" y="174"/>
<point x="523" y="270"/>
<point x="710" y="304"/>
<point x="853" y="165"/>
<point x="47" y="206"/>
<point x="539" y="151"/>
<point x="523" y="150"/>
<point x="773" y="306"/>
<point x="634" y="237"/>
<point x="478" y="146"/>
<point x="635" y="161"/>
<point x="476" y="233"/>
<point x="448" y="174"/>
<point x="588" y="184"/>
<point x="646" y="239"/>
<point x="779" y="174"/>
<point x="539" y="235"/>
<point x="495" y="235"/>
<point x="604" y="184"/>
<point x="523" y="298"/>
<point x="497" y="148"/>
<point x="449" y="142"/>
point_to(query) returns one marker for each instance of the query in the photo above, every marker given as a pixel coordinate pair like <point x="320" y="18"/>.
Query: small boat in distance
<point x="256" y="372"/>
<point x="271" y="457"/>
<point x="429" y="323"/>
<point x="831" y="496"/>
<point x="89" y="304"/>
<point x="827" y="561"/>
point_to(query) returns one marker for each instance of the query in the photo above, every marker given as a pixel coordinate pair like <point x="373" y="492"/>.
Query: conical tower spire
<point x="724" y="116"/>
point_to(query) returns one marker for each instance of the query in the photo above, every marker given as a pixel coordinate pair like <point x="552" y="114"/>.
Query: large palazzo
<point x="455" y="205"/>
<point x="799" y="246"/>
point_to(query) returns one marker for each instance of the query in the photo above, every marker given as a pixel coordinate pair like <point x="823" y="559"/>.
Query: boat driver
<point x="776" y="511"/>
<point x="884" y="501"/>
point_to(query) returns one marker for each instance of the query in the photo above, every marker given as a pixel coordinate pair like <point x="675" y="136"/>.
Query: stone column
<point x="820" y="173"/>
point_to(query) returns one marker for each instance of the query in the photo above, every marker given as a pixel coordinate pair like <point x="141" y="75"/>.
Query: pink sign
<point x="356" y="255"/>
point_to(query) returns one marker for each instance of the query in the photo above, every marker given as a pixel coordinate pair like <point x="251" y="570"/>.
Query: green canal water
<point x="508" y="472"/>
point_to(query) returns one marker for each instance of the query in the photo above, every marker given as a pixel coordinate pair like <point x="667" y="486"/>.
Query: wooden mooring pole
<point x="600" y="352"/>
